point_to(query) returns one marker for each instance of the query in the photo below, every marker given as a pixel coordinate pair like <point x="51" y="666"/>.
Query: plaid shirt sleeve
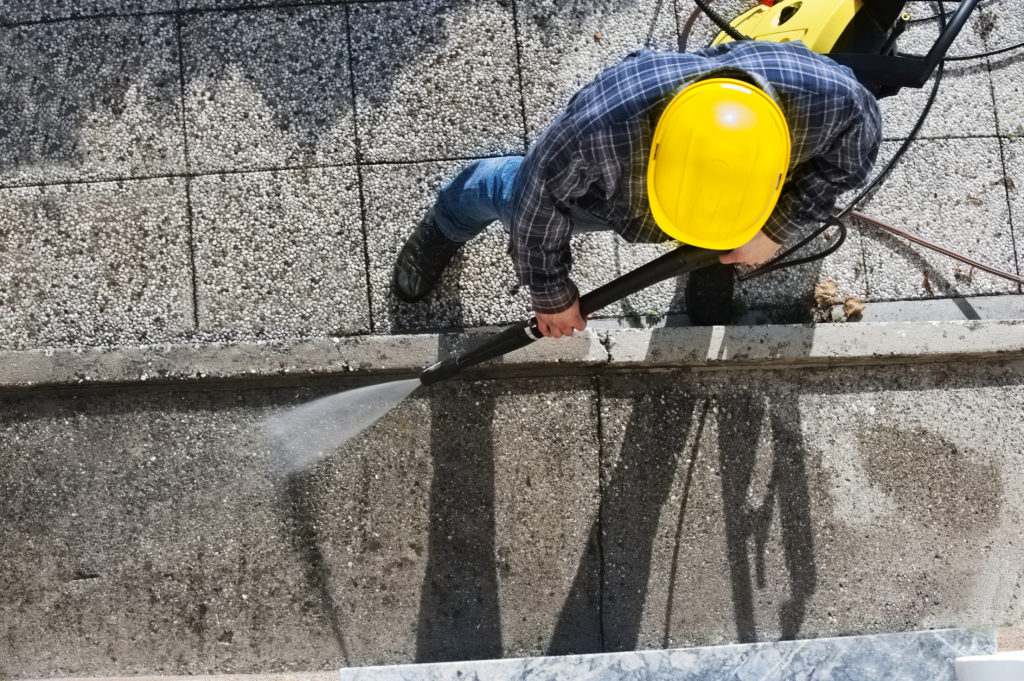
<point x="810" y="193"/>
<point x="554" y="172"/>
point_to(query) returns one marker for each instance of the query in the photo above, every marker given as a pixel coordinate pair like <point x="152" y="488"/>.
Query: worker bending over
<point x="738" y="147"/>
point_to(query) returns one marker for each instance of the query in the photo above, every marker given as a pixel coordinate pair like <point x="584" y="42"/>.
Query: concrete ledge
<point x="778" y="345"/>
<point x="816" y="344"/>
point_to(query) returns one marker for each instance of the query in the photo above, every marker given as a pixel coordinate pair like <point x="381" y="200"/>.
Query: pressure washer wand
<point x="680" y="261"/>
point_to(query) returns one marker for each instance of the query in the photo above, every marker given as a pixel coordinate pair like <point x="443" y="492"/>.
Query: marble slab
<point x="922" y="655"/>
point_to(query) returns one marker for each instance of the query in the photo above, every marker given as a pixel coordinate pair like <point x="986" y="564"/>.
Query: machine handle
<point x="672" y="264"/>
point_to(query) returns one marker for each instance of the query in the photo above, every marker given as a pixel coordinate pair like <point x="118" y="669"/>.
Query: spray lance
<point x="304" y="434"/>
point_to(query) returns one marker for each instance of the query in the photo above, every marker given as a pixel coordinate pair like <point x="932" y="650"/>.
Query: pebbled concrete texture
<point x="279" y="255"/>
<point x="1007" y="71"/>
<point x="21" y="11"/>
<point x="1013" y="152"/>
<point x="378" y="86"/>
<point x="232" y="4"/>
<point x="565" y="45"/>
<point x="436" y="79"/>
<point x="267" y="89"/>
<point x="787" y="296"/>
<point x="90" y="100"/>
<point x="963" y="107"/>
<point x="968" y="216"/>
<point x="94" y="264"/>
<point x="508" y="517"/>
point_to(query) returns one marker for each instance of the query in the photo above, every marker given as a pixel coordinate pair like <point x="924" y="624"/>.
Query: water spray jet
<point x="303" y="435"/>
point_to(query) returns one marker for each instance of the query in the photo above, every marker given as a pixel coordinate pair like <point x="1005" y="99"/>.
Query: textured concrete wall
<point x="144" y="533"/>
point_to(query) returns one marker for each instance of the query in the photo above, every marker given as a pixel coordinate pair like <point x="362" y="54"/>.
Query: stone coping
<point x="911" y="656"/>
<point x="593" y="349"/>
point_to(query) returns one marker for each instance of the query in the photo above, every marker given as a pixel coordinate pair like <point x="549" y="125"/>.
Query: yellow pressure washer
<point x="859" y="34"/>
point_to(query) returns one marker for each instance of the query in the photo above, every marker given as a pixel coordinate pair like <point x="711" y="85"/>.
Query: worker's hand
<point x="754" y="252"/>
<point x="561" y="323"/>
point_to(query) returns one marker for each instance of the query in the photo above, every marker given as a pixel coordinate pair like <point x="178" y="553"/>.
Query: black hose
<point x="982" y="55"/>
<point x="720" y="22"/>
<point x="672" y="264"/>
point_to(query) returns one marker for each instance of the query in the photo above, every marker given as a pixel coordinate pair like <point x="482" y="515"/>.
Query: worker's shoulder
<point x="789" y="61"/>
<point x="630" y="85"/>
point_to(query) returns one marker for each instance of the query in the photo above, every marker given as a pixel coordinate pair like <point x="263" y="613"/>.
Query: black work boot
<point x="709" y="295"/>
<point x="422" y="260"/>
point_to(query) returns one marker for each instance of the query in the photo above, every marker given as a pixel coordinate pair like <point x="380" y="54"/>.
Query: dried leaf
<point x="927" y="286"/>
<point x="964" y="275"/>
<point x="597" y="37"/>
<point x="853" y="307"/>
<point x="1006" y="181"/>
<point x="825" y="293"/>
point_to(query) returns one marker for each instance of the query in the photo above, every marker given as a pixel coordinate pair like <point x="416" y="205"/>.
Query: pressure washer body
<point x="859" y="34"/>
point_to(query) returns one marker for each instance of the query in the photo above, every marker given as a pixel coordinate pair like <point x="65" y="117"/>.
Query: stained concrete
<point x="824" y="503"/>
<point x="143" y="535"/>
<point x="267" y="89"/>
<point x="279" y="255"/>
<point x="90" y="100"/>
<point x="483" y="519"/>
<point x="94" y="264"/>
<point x="436" y="79"/>
<point x="146" y="534"/>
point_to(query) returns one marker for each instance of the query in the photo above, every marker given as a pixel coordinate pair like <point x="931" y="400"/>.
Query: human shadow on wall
<point x="637" y="488"/>
<point x="748" y="523"/>
<point x="459" y="615"/>
<point x="622" y="536"/>
<point x="297" y="515"/>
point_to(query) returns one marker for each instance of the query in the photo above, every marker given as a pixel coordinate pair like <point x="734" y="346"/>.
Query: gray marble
<point x="924" y="656"/>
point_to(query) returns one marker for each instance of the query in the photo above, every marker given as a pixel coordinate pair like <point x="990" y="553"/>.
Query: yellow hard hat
<point x="718" y="160"/>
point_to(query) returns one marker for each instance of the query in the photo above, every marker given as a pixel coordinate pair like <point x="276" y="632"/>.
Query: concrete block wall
<point x="205" y="170"/>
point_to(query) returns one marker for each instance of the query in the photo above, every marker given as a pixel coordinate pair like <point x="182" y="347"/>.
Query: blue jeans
<point x="482" y="193"/>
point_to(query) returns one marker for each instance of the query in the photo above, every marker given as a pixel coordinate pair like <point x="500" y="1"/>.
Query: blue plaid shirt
<point x="593" y="158"/>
